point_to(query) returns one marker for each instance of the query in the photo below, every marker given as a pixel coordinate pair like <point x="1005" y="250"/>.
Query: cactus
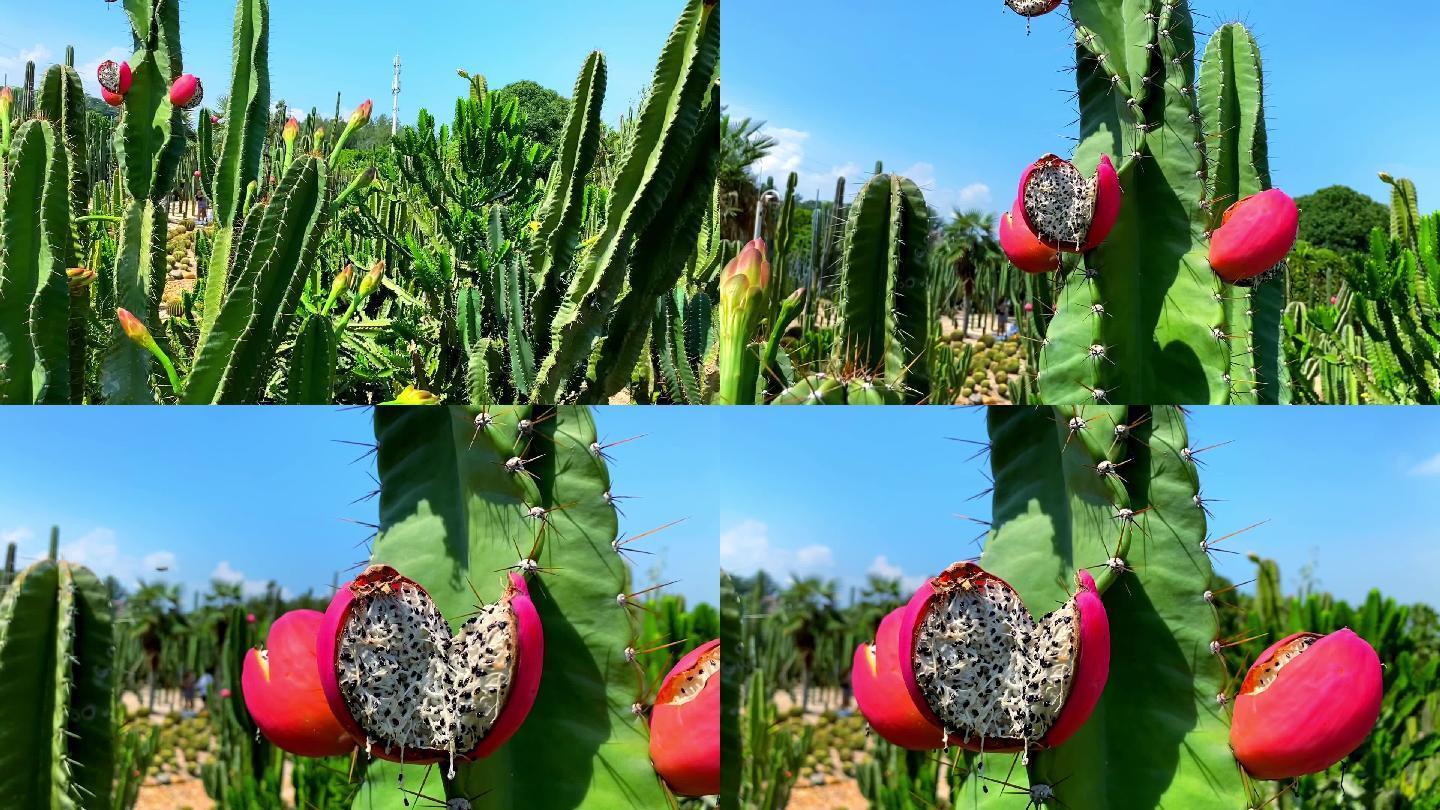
<point x="56" y="652"/>
<point x="35" y="240"/>
<point x="885" y="311"/>
<point x="1117" y="491"/>
<point x="530" y="486"/>
<point x="1397" y="301"/>
<point x="1147" y="320"/>
<point x="653" y="215"/>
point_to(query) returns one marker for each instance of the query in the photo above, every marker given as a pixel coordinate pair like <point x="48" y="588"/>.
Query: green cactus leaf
<point x="451" y="515"/>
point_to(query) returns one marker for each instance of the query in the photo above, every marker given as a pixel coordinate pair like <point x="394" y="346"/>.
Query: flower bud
<point x="135" y="330"/>
<point x="414" y="396"/>
<point x="292" y="129"/>
<point x="342" y="281"/>
<point x="746" y="276"/>
<point x="372" y="278"/>
<point x="79" y="277"/>
<point x="361" y="116"/>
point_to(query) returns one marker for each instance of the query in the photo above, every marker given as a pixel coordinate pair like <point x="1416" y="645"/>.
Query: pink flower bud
<point x="215" y="119"/>
<point x="292" y="129"/>
<point x="748" y="274"/>
<point x="186" y="93"/>
<point x="372" y="278"/>
<point x="250" y="618"/>
<point x="134" y="329"/>
<point x="361" y="116"/>
<point x="225" y="693"/>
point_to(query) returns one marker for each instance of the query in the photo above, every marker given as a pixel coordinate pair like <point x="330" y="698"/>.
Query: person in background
<point x="187" y="690"/>
<point x="202" y="210"/>
<point x="203" y="685"/>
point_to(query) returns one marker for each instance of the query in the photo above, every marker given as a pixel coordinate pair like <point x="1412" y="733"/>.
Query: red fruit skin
<point x="183" y="90"/>
<point x="1092" y="669"/>
<point x="1255" y="234"/>
<point x="1022" y="247"/>
<point x="882" y="696"/>
<point x="113" y="99"/>
<point x="1108" y="198"/>
<point x="1320" y="707"/>
<point x="685" y="738"/>
<point x="284" y="696"/>
<point x="1107" y="204"/>
<point x="525" y="683"/>
<point x="125" y="78"/>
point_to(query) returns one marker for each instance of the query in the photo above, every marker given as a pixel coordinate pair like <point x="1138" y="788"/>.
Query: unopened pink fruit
<point x="1021" y="246"/>
<point x="1306" y="703"/>
<point x="282" y="690"/>
<point x="991" y="675"/>
<point x="1255" y="235"/>
<point x="685" y="724"/>
<point x="187" y="92"/>
<point x="406" y="687"/>
<point x="113" y="99"/>
<point x="1065" y="210"/>
<point x="881" y="694"/>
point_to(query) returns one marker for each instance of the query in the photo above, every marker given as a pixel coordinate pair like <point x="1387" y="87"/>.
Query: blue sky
<point x="958" y="97"/>
<point x="320" y="47"/>
<point x="841" y="492"/>
<point x="254" y="494"/>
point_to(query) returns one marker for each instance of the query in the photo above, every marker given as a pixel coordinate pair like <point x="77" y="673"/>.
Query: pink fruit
<point x="881" y="694"/>
<point x="992" y="676"/>
<point x="1021" y="246"/>
<point x="382" y="632"/>
<point x="113" y="99"/>
<point x="187" y="92"/>
<point x="1032" y="8"/>
<point x="114" y="76"/>
<point x="225" y="693"/>
<point x="249" y="617"/>
<point x="1063" y="209"/>
<point x="685" y="724"/>
<point x="1306" y="703"/>
<point x="281" y="685"/>
<point x="1255" y="234"/>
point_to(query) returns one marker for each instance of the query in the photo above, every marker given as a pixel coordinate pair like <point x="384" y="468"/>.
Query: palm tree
<point x="808" y="607"/>
<point x="968" y="246"/>
<point x="154" y="609"/>
<point x="742" y="145"/>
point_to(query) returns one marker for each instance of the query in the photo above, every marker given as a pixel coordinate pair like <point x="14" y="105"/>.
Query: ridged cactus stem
<point x="1146" y="319"/>
<point x="1117" y="491"/>
<point x="58" y="686"/>
<point x="467" y="493"/>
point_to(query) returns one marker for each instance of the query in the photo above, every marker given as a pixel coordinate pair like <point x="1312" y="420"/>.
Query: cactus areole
<point x="881" y="694"/>
<point x="992" y="676"/>
<point x="1066" y="211"/>
<point x="410" y="690"/>
<point x="685" y="724"/>
<point x="1305" y="704"/>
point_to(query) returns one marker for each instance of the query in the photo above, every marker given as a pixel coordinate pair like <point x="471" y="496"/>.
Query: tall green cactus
<point x="885" y="314"/>
<point x="651" y="210"/>
<point x="1159" y="736"/>
<point x="1167" y="329"/>
<point x="57" y="686"/>
<point x="453" y="515"/>
<point x="247" y="111"/>
<point x="35" y="240"/>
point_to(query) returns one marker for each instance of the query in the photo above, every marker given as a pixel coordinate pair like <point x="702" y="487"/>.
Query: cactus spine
<point x="56" y="650"/>
<point x="1168" y="330"/>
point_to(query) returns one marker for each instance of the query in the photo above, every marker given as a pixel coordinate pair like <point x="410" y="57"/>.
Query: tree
<point x="969" y="246"/>
<point x="545" y="110"/>
<point x="1340" y="218"/>
<point x="742" y="145"/>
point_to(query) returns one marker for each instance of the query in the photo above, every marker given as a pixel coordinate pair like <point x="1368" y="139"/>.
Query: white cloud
<point x="99" y="550"/>
<point x="746" y="548"/>
<point x="1430" y="466"/>
<point x="882" y="567"/>
<point x="225" y="572"/>
<point x="13" y="65"/>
